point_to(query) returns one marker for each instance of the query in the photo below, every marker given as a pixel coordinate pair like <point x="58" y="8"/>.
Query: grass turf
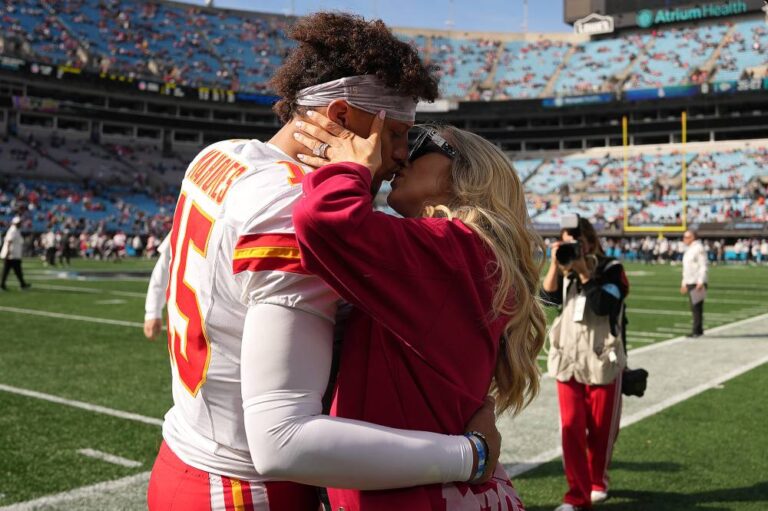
<point x="115" y="366"/>
<point x="707" y="453"/>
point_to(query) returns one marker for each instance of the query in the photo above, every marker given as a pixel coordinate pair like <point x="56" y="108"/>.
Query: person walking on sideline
<point x="11" y="254"/>
<point x="694" y="282"/>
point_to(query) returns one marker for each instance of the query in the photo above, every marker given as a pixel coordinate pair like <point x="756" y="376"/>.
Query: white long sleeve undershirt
<point x="286" y="358"/>
<point x="155" y="301"/>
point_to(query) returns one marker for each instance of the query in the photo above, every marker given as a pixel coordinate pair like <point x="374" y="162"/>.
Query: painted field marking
<point x="92" y="491"/>
<point x="672" y="330"/>
<point x="682" y="299"/>
<point x="92" y="290"/>
<point x="649" y="334"/>
<point x="81" y="278"/>
<point x="661" y="312"/>
<point x="82" y="405"/>
<point x="641" y="341"/>
<point x="115" y="301"/>
<point x="673" y="400"/>
<point x="109" y="458"/>
<point x="74" y="317"/>
<point x="747" y="290"/>
<point x="715" y="330"/>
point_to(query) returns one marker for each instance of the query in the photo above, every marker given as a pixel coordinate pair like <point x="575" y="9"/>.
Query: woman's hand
<point x="331" y="143"/>
<point x="484" y="421"/>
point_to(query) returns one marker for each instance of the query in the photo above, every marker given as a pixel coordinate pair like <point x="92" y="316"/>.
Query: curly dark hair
<point x="335" y="45"/>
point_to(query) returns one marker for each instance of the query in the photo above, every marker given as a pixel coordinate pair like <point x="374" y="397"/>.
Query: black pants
<point x="50" y="256"/>
<point x="698" y="312"/>
<point x="16" y="265"/>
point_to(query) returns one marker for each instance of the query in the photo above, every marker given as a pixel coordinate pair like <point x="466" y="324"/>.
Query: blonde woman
<point x="445" y="298"/>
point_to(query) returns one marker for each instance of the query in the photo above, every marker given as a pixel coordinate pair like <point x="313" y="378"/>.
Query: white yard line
<point x="640" y="340"/>
<point x="657" y="335"/>
<point x="660" y="312"/>
<point x="114" y="301"/>
<point x="92" y="290"/>
<point x="93" y="491"/>
<point x="74" y="317"/>
<point x="673" y="330"/>
<point x="109" y="458"/>
<point x="82" y="405"/>
<point x="682" y="299"/>
<point x="715" y="330"/>
<point x="673" y="400"/>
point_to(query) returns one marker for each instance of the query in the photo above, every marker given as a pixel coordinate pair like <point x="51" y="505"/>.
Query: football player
<point x="250" y="331"/>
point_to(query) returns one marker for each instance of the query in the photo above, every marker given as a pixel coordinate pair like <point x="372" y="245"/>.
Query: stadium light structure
<point x="660" y="229"/>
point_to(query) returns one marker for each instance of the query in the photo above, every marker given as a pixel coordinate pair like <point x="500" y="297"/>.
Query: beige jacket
<point x="586" y="350"/>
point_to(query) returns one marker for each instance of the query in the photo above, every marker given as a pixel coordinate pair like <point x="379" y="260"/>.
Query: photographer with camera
<point x="586" y="356"/>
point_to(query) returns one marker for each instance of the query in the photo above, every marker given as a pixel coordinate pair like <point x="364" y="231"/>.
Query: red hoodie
<point x="421" y="346"/>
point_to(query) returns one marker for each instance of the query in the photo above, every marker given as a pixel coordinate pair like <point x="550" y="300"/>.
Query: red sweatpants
<point x="589" y="420"/>
<point x="176" y="485"/>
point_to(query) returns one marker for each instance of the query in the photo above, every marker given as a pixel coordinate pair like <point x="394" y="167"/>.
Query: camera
<point x="634" y="382"/>
<point x="567" y="252"/>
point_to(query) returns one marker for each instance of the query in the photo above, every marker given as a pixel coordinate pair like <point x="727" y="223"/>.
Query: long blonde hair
<point x="488" y="197"/>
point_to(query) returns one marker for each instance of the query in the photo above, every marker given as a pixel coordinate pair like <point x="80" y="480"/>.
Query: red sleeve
<point x="397" y="270"/>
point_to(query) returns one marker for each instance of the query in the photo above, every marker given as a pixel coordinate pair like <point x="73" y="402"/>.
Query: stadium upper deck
<point x="236" y="50"/>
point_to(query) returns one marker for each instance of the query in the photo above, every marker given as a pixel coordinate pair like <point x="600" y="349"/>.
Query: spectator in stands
<point x="590" y="288"/>
<point x="694" y="282"/>
<point x="11" y="253"/>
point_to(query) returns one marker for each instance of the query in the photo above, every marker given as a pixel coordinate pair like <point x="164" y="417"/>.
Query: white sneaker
<point x="567" y="507"/>
<point x="599" y="496"/>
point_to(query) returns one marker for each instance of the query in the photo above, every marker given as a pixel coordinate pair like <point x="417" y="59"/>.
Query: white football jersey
<point x="232" y="245"/>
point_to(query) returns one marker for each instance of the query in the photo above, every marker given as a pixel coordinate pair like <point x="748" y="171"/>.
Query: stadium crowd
<point x="216" y="48"/>
<point x="666" y="250"/>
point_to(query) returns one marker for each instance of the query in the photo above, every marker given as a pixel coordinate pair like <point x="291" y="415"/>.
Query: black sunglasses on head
<point x="430" y="141"/>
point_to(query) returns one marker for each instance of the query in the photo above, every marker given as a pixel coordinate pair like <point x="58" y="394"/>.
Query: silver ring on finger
<point x="321" y="150"/>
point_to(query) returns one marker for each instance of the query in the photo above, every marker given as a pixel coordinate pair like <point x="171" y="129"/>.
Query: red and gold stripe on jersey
<point x="267" y="252"/>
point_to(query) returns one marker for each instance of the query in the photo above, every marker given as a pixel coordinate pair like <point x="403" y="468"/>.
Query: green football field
<point x="77" y="374"/>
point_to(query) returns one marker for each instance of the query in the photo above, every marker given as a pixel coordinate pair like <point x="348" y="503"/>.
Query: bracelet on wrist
<point x="481" y="446"/>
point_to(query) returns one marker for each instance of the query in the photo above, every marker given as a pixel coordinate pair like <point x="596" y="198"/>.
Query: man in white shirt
<point x="11" y="253"/>
<point x="694" y="282"/>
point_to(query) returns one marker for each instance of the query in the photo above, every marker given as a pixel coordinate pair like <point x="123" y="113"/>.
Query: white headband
<point x="365" y="92"/>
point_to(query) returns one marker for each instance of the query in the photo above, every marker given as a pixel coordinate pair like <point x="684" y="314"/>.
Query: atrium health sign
<point x="647" y="17"/>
